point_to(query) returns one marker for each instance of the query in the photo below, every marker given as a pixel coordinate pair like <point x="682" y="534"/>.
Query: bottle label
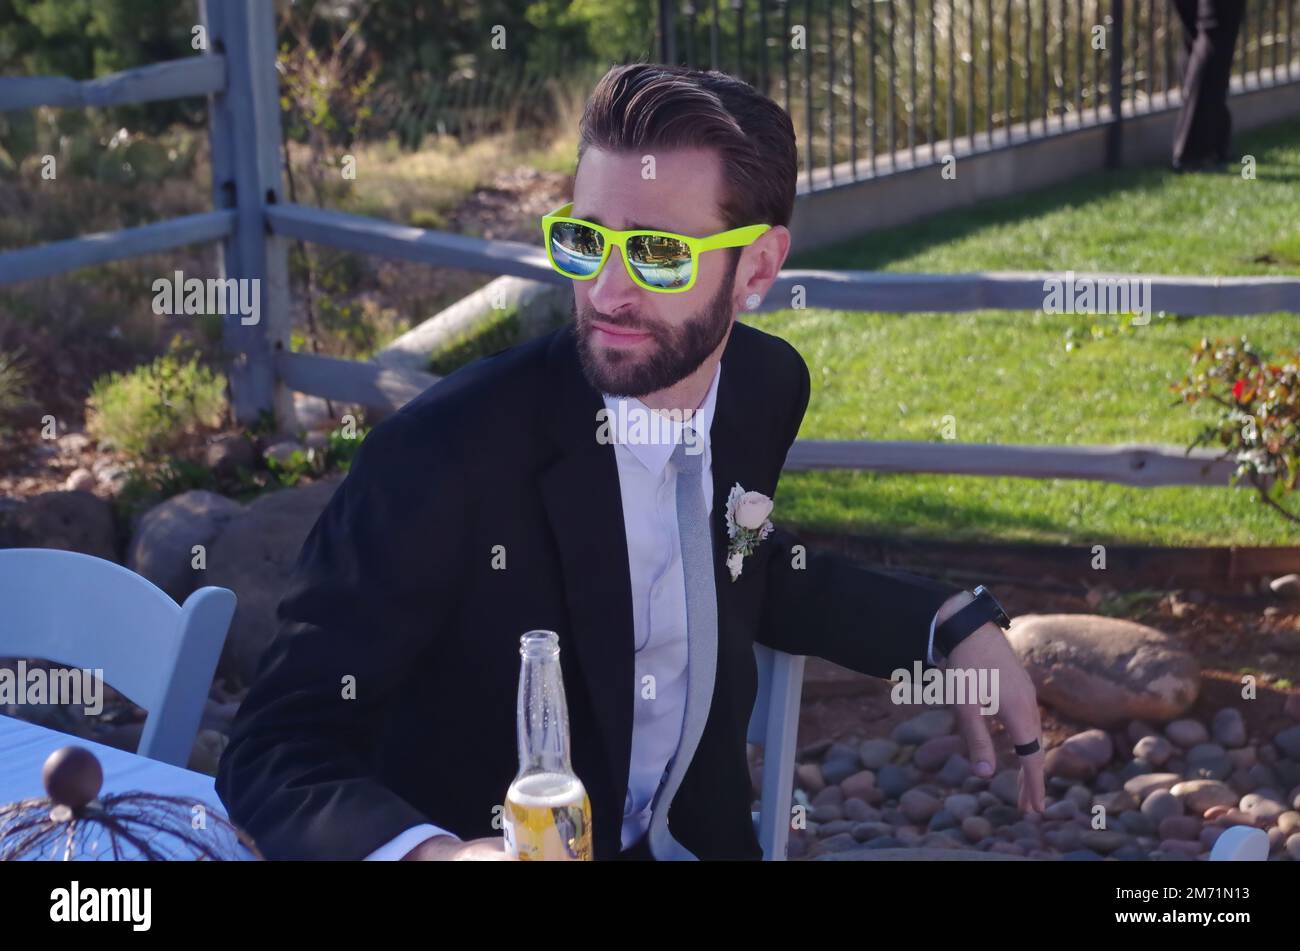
<point x="508" y="827"/>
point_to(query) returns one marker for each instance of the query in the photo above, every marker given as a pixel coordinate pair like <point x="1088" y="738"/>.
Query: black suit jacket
<point x="395" y="593"/>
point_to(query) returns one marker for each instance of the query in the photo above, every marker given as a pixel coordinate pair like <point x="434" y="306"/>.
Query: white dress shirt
<point x="648" y="486"/>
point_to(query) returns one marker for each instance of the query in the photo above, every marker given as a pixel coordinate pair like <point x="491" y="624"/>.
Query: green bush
<point x="13" y="390"/>
<point x="335" y="456"/>
<point x="153" y="409"/>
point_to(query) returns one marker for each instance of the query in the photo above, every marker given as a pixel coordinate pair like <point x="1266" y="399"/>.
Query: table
<point x="25" y="746"/>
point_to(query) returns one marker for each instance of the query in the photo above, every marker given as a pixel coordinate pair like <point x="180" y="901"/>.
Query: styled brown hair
<point x="646" y="106"/>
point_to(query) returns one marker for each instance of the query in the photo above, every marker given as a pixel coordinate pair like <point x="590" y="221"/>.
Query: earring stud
<point x="752" y="301"/>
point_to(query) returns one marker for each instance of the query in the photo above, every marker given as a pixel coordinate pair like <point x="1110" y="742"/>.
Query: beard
<point x="675" y="350"/>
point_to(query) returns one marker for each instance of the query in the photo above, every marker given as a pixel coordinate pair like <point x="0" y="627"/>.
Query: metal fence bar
<point x="1042" y="50"/>
<point x="1114" y="126"/>
<point x="807" y="91"/>
<point x="911" y="80"/>
<point x="1007" y="78"/>
<point x="933" y="93"/>
<point x="893" y="85"/>
<point x="830" y="90"/>
<point x="871" y="82"/>
<point x="952" y="69"/>
<point x="853" y="93"/>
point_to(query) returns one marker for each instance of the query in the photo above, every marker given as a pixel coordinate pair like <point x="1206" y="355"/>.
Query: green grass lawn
<point x="1006" y="377"/>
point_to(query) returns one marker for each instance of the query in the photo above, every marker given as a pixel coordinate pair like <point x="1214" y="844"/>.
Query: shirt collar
<point x="651" y="436"/>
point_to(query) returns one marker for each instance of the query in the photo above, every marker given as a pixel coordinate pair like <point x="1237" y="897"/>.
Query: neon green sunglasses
<point x="658" y="261"/>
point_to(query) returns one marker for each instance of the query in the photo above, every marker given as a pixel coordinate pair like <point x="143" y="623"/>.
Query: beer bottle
<point x="547" y="814"/>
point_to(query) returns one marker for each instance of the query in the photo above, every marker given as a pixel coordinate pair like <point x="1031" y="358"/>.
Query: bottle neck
<point x="543" y="719"/>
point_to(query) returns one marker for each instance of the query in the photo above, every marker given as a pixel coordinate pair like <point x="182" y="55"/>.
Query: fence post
<point x="1115" y="129"/>
<point x="244" y="128"/>
<point x="667" y="33"/>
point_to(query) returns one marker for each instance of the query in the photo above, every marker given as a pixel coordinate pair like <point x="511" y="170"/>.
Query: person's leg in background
<point x="1204" y="129"/>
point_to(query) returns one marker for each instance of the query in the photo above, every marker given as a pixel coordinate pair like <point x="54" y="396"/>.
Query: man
<point x="1203" y="136"/>
<point x="497" y="503"/>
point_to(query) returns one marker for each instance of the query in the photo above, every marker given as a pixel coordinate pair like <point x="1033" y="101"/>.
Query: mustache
<point x="636" y="323"/>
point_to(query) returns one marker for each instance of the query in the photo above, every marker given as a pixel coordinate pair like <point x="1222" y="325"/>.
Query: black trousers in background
<point x="1204" y="130"/>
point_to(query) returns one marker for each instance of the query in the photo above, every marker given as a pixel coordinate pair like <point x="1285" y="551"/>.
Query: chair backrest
<point x="1240" y="844"/>
<point x="82" y="611"/>
<point x="774" y="725"/>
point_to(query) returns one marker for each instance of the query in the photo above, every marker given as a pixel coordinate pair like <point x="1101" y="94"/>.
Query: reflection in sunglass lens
<point x="576" y="248"/>
<point x="661" y="261"/>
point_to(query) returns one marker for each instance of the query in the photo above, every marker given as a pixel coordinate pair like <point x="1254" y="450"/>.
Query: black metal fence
<point x="883" y="84"/>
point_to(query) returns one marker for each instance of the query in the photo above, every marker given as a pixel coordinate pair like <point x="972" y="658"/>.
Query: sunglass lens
<point x="661" y="261"/>
<point x="577" y="249"/>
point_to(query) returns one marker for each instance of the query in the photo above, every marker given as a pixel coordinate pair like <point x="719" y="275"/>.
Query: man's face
<point x="632" y="341"/>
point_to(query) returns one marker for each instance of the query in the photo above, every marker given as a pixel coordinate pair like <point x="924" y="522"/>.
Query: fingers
<point x="979" y="744"/>
<point x="1033" y="793"/>
<point x="1019" y="714"/>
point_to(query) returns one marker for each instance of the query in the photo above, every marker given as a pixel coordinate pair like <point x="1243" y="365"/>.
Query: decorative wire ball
<point x="72" y="822"/>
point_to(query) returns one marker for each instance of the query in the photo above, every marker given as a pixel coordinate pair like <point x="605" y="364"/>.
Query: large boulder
<point x="1103" y="671"/>
<point x="253" y="556"/>
<point x="70" y="521"/>
<point x="162" y="549"/>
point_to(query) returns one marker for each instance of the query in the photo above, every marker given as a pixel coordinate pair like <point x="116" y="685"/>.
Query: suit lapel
<point x="728" y="465"/>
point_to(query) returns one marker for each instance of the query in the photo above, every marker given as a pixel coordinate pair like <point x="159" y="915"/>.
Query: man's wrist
<point x="434" y="848"/>
<point x="964" y="614"/>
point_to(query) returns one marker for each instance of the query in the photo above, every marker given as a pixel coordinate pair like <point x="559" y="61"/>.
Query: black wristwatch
<point x="969" y="619"/>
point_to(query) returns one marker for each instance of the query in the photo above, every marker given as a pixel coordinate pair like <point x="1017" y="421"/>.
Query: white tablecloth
<point x="25" y="746"/>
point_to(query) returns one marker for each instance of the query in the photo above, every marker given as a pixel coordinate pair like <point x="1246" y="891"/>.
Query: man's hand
<point x="445" y="848"/>
<point x="988" y="649"/>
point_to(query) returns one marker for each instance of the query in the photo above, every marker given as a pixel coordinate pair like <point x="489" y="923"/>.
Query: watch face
<point x="1001" y="617"/>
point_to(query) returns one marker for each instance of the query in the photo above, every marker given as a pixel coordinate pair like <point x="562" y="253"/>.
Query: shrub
<point x="13" y="390"/>
<point x="335" y="456"/>
<point x="152" y="410"/>
<point x="1259" y="419"/>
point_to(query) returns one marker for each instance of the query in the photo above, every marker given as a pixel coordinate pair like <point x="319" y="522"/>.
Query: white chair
<point x="82" y="611"/>
<point x="774" y="725"/>
<point x="1240" y="844"/>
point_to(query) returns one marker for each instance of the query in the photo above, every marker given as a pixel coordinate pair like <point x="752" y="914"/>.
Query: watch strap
<point x="964" y="622"/>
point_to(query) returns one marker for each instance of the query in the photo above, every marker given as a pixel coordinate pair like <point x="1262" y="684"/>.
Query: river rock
<point x="1288" y="741"/>
<point x="1103" y="671"/>
<point x="1154" y="749"/>
<point x="860" y="785"/>
<point x="1187" y="733"/>
<point x="1229" y="728"/>
<point x="162" y="549"/>
<point x="1198" y="795"/>
<point x="68" y="521"/>
<point x="253" y="556"/>
<point x="1161" y="804"/>
<point x="924" y="726"/>
<point x="875" y="753"/>
<point x="932" y="754"/>
<point x="1140" y="787"/>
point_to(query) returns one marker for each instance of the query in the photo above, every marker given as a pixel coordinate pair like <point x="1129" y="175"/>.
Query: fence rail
<point x="254" y="224"/>
<point x="1135" y="464"/>
<point x="175" y="79"/>
<point x="57" y="257"/>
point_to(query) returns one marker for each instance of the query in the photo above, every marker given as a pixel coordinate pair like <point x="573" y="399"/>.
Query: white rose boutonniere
<point x="747" y="525"/>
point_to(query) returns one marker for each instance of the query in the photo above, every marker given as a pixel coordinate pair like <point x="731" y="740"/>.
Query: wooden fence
<point x="254" y="224"/>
